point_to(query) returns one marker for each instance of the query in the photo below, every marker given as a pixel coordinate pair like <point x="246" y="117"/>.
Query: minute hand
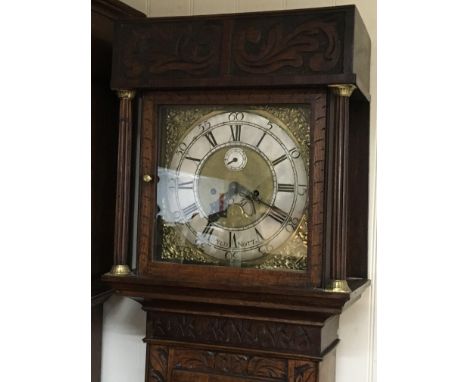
<point x="275" y="213"/>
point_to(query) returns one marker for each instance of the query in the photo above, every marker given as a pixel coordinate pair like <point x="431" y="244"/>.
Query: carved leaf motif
<point x="155" y="376"/>
<point x="313" y="45"/>
<point x="305" y="372"/>
<point x="264" y="367"/>
<point x="235" y="332"/>
<point x="230" y="363"/>
<point x="158" y="363"/>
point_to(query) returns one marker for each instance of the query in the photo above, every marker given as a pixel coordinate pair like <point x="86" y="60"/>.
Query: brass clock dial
<point x="236" y="186"/>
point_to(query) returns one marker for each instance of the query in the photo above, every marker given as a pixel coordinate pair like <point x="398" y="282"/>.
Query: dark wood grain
<point x="317" y="181"/>
<point x="124" y="181"/>
<point x="306" y="47"/>
<point x="358" y="188"/>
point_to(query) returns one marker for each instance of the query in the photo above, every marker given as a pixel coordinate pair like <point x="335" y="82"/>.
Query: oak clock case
<point x="243" y="147"/>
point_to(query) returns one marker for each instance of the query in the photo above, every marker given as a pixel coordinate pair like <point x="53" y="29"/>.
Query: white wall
<point x="124" y="322"/>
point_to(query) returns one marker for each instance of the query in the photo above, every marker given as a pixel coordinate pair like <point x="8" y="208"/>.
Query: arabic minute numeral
<point x="205" y="125"/>
<point x="302" y="189"/>
<point x="181" y="149"/>
<point x="236" y="116"/>
<point x="292" y="225"/>
<point x="294" y="152"/>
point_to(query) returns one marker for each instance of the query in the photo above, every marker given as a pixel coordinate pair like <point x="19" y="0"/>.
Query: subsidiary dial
<point x="235" y="159"/>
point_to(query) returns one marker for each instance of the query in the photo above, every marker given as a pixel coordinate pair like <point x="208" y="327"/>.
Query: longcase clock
<point x="241" y="216"/>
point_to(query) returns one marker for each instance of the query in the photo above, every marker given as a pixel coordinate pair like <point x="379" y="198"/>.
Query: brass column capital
<point x="120" y="270"/>
<point x="126" y="94"/>
<point x="340" y="286"/>
<point x="343" y="90"/>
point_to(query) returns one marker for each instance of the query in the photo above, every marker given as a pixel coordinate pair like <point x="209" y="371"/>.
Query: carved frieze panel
<point x="306" y="47"/>
<point x="178" y="49"/>
<point x="267" y="335"/>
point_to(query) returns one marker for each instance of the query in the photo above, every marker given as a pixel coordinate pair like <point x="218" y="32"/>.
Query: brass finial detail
<point x="126" y="94"/>
<point x="343" y="90"/>
<point x="119" y="270"/>
<point x="340" y="286"/>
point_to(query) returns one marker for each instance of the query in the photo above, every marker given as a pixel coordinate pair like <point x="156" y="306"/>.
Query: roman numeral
<point x="261" y="139"/>
<point x="211" y="139"/>
<point x="279" y="160"/>
<point x="189" y="210"/>
<point x="235" y="132"/>
<point x="208" y="230"/>
<point x="285" y="187"/>
<point x="232" y="240"/>
<point x="194" y="159"/>
<point x="259" y="235"/>
<point x="186" y="185"/>
<point x="278" y="214"/>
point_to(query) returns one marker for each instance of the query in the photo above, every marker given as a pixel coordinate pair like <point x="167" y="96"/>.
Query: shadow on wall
<point x="123" y="351"/>
<point x="124" y="316"/>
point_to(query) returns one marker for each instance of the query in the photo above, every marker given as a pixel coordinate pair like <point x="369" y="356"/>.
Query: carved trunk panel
<point x="303" y="371"/>
<point x="157" y="360"/>
<point x="238" y="365"/>
<point x="177" y="364"/>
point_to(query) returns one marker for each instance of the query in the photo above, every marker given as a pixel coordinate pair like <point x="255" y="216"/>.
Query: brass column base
<point x="340" y="286"/>
<point x="120" y="270"/>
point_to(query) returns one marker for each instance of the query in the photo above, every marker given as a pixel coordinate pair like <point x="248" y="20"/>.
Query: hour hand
<point x="216" y="216"/>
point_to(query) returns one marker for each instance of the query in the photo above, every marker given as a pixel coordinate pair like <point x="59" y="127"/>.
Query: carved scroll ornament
<point x="313" y="46"/>
<point x="191" y="49"/>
